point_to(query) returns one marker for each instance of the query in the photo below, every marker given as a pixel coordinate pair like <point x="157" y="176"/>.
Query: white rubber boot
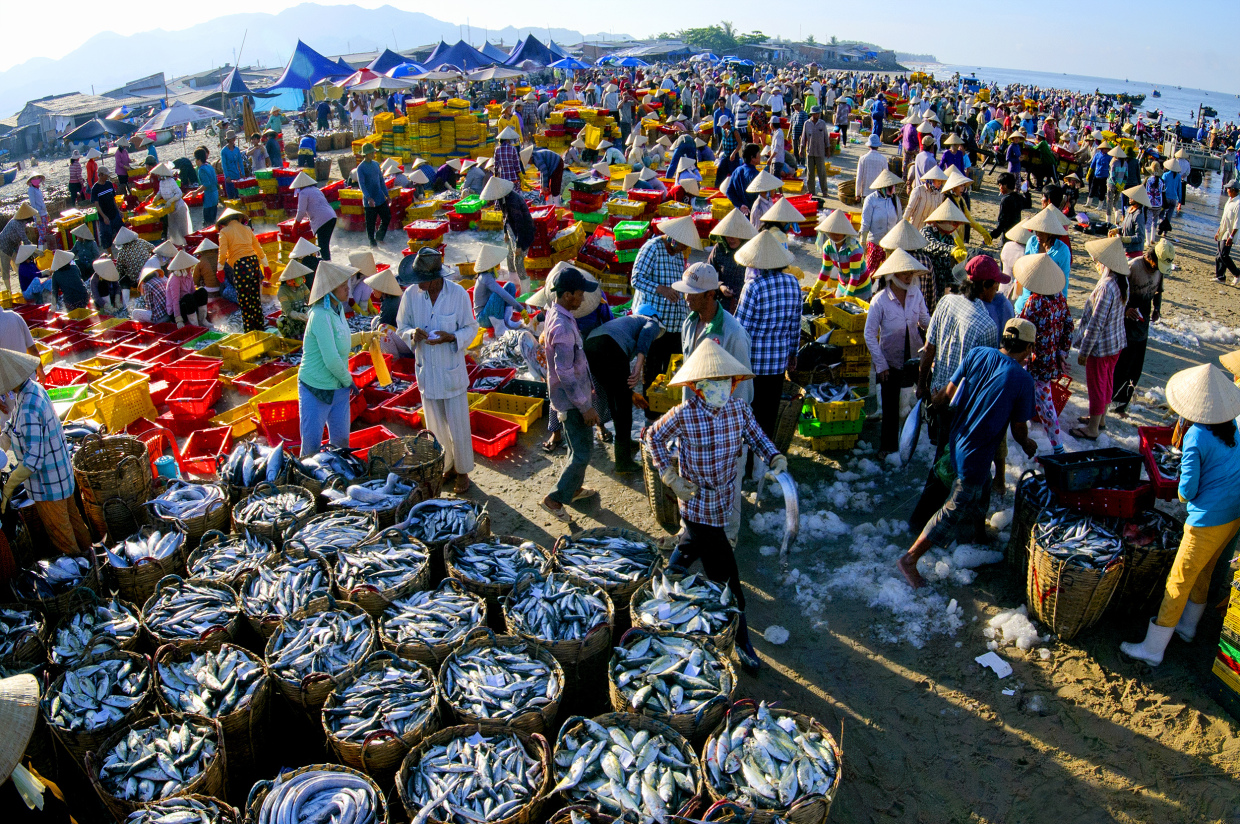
<point x="1151" y="649"/>
<point x="201" y="316"/>
<point x="1187" y="628"/>
<point x="125" y="295"/>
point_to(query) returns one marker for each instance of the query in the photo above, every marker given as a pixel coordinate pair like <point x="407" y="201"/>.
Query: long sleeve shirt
<point x="869" y="167"/>
<point x="517" y="219"/>
<point x="921" y="202"/>
<point x="770" y="311"/>
<point x="546" y="162"/>
<point x="1209" y="478"/>
<point x="654" y="267"/>
<point x="370" y="181"/>
<point x="238" y="241"/>
<point x="738" y="182"/>
<point x="957" y="326"/>
<point x="569" y="385"/>
<point x="180" y="284"/>
<point x="893" y="330"/>
<point x="844" y="264"/>
<point x="878" y="216"/>
<point x="1101" y="333"/>
<point x="312" y="205"/>
<point x="210" y="186"/>
<point x="232" y="162"/>
<point x="325" y="349"/>
<point x="726" y="331"/>
<point x="35" y="195"/>
<point x="507" y="163"/>
<point x="12" y="236"/>
<point x="814" y="138"/>
<point x="632" y="333"/>
<point x="1010" y="207"/>
<point x="486" y="285"/>
<point x="440" y="368"/>
<point x="39" y="444"/>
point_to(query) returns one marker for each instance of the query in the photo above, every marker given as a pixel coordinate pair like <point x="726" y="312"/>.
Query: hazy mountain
<point x="109" y="60"/>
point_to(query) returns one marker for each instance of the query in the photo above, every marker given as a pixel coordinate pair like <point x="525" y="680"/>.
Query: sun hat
<point x="1231" y="362"/>
<point x="1203" y="394"/>
<point x="1046" y="222"/>
<point x="899" y="261"/>
<point x="630" y="180"/>
<point x="691" y="186"/>
<point x="935" y="173"/>
<point x="1018" y="234"/>
<point x="25" y="211"/>
<point x="149" y="271"/>
<point x="295" y="269"/>
<point x="885" y="178"/>
<point x="60" y="259"/>
<point x="302" y="181"/>
<point x="167" y="249"/>
<point x="637" y="141"/>
<point x="873" y="141"/>
<point x="1073" y="176"/>
<point x="603" y="145"/>
<point x="925" y="128"/>
<point x="953" y="140"/>
<point x="947" y="212"/>
<point x="35" y="176"/>
<point x="25" y="252"/>
<point x="709" y="361"/>
<point x="1118" y="153"/>
<point x="764" y="182"/>
<point x="509" y="133"/>
<point x="19" y="694"/>
<point x="388" y="166"/>
<point x="303" y="248"/>
<point x="1109" y="251"/>
<point x="489" y="257"/>
<point x="1039" y="274"/>
<point x="647" y="173"/>
<point x="836" y="223"/>
<point x="105" y="268"/>
<point x="207" y="245"/>
<point x="182" y="260"/>
<point x="1164" y="252"/>
<point x="683" y="231"/>
<point x="602" y="169"/>
<point x="664" y="141"/>
<point x="496" y="188"/>
<point x="589" y="302"/>
<point x="1138" y="195"/>
<point x="1016" y="136"/>
<point x="424" y="267"/>
<point x="327" y="276"/>
<point x="363" y="260"/>
<point x="698" y="279"/>
<point x="956" y="178"/>
<point x="528" y="152"/>
<point x="82" y="232"/>
<point x="765" y="251"/>
<point x="225" y="216"/>
<point x="419" y="177"/>
<point x="385" y="283"/>
<point x="162" y="170"/>
<point x="781" y="212"/>
<point x="126" y="235"/>
<point x="734" y="224"/>
<point x="686" y="164"/>
<point x="983" y="267"/>
<point x="903" y="236"/>
<point x="913" y="119"/>
<point x="93" y="154"/>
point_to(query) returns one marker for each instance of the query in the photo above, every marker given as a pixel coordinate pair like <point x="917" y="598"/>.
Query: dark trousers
<point x="889" y="391"/>
<point x="767" y="391"/>
<point x="208" y="215"/>
<point x="710" y="544"/>
<point x="1223" y="262"/>
<point x="1130" y="365"/>
<point x="324" y="236"/>
<point x="192" y="302"/>
<point x="610" y="368"/>
<point x="377" y="220"/>
<point x="75" y="193"/>
<point x="657" y="359"/>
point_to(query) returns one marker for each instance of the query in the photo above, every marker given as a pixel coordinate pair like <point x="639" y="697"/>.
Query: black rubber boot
<point x="744" y="648"/>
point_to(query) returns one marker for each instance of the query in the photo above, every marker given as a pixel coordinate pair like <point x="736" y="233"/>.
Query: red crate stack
<point x="586" y="201"/>
<point x="290" y="230"/>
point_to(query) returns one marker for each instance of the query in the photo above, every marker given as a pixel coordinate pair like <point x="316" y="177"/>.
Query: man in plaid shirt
<point x="507" y="161"/>
<point x="770" y="311"/>
<point x="660" y="263"/>
<point x="796" y="125"/>
<point x="38" y="441"/>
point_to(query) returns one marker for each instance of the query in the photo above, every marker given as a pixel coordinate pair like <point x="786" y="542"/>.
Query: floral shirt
<point x="1049" y="313"/>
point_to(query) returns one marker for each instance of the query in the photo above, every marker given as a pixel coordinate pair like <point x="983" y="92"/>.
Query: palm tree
<point x="728" y="29"/>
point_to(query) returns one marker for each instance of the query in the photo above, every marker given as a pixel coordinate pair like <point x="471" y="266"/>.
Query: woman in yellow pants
<point x="1210" y="485"/>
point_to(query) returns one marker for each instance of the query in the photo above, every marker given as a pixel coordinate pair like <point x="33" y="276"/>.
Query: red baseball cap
<point x="984" y="267"/>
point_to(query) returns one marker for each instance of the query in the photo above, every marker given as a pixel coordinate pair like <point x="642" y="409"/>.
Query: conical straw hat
<point x="60" y="259"/>
<point x="630" y="180"/>
<point x="601" y="169"/>
<point x="899" y="260"/>
<point x="385" y="282"/>
<point x="489" y="256"/>
<point x="836" y="223"/>
<point x="1204" y="394"/>
<point x="953" y="140"/>
<point x="302" y="181"/>
<point x="1231" y="362"/>
<point x="125" y="235"/>
<point x="509" y="133"/>
<point x="419" y="177"/>
<point x="15" y="367"/>
<point x="82" y="232"/>
<point x="885" y="178"/>
<point x="764" y="182"/>
<point x="496" y="188"/>
<point x="947" y="212"/>
<point x="363" y="261"/>
<point x="903" y="236"/>
<point x="683" y="231"/>
<point x="167" y="249"/>
<point x="303" y="248"/>
<point x="295" y="269"/>
<point x="1039" y="274"/>
<point x="956" y="178"/>
<point x="691" y="186"/>
<point x="19" y="709"/>
<point x="207" y="245"/>
<point x="25" y="211"/>
<point x="105" y="268"/>
<point x="526" y="153"/>
<point x="765" y="251"/>
<point x="709" y="361"/>
<point x="1046" y="222"/>
<point x="183" y="260"/>
<point x="736" y="225"/>
<point x="1109" y="251"/>
<point x="25" y="252"/>
<point x="647" y="173"/>
<point x="1137" y="194"/>
<point x="327" y="276"/>
<point x="782" y="212"/>
<point x="935" y="173"/>
<point x="1118" y="153"/>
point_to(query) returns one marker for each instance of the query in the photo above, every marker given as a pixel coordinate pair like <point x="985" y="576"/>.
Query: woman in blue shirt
<point x="1209" y="402"/>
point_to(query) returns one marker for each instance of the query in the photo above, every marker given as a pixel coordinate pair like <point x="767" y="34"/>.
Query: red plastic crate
<point x="650" y="197"/>
<point x="248" y="382"/>
<point x="64" y="376"/>
<point x="458" y="222"/>
<point x="146" y="336"/>
<point x="375" y="397"/>
<point x="280" y="421"/>
<point x="111" y="337"/>
<point x="156" y="438"/>
<point x="357" y="405"/>
<point x="491" y="435"/>
<point x="1109" y="503"/>
<point x="290" y="230"/>
<point x="160" y="353"/>
<point x="1165" y="488"/>
<point x="75" y="342"/>
<point x="185" y="334"/>
<point x="205" y="448"/>
<point x="361" y="440"/>
<point x="507" y="374"/>
<point x="32" y="311"/>
<point x="402" y="369"/>
<point x="159" y="392"/>
<point x="60" y="334"/>
<point x="162" y="329"/>
<point x="194" y="398"/>
<point x="182" y="425"/>
<point x="362" y="368"/>
<point x="191" y="368"/>
<point x="426" y="229"/>
<point x="407" y="407"/>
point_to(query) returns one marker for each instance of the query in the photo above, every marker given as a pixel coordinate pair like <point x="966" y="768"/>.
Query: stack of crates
<point x="849" y="315"/>
<point x="426" y="234"/>
<point x="351" y="202"/>
<point x="289" y="232"/>
<point x="833" y="425"/>
<point x="719" y="208"/>
<point x="1224" y="685"/>
<point x="708" y="168"/>
<point x="252" y="198"/>
<point x="423" y="210"/>
<point x="401" y="149"/>
<point x="630" y="235"/>
<point x="541" y="255"/>
<point x="69" y="220"/>
<point x="148" y="227"/>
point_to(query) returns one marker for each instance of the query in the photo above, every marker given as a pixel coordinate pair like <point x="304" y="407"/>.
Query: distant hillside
<point x="905" y="57"/>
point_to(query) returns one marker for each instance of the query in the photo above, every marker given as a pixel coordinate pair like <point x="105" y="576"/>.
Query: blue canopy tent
<point x="556" y="49"/>
<point x="385" y="62"/>
<point x="494" y="52"/>
<point x="462" y="55"/>
<point x="631" y="63"/>
<point x="343" y="69"/>
<point x="531" y="49"/>
<point x="405" y="69"/>
<point x="305" y="68"/>
<point x="568" y="63"/>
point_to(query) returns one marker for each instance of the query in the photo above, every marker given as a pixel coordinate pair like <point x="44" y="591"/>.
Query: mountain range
<point x="109" y="60"/>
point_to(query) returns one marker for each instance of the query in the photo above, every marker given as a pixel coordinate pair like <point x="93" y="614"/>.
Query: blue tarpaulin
<point x="233" y="84"/>
<point x="530" y="48"/>
<point x="556" y="49"/>
<point x="462" y="55"/>
<point x="305" y="68"/>
<point x="385" y="62"/>
<point x="494" y="52"/>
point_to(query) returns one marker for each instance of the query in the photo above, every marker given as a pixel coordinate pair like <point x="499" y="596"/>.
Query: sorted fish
<point x="488" y="383"/>
<point x="556" y="608"/>
<point x="768" y="761"/>
<point x="440" y="519"/>
<point x="149" y="543"/>
<point x="284" y="587"/>
<point x="158" y="760"/>
<point x="608" y="562"/>
<point x="212" y="683"/>
<point x="94" y="630"/>
<point x="850" y="308"/>
<point x="691" y="604"/>
<point x="251" y="462"/>
<point x="187" y="609"/>
<point x="332" y="532"/>
<point x="1078" y="540"/>
<point x="371" y="496"/>
<point x="330" y="642"/>
<point x="184" y="500"/>
<point x="399" y="698"/>
<point x="182" y="810"/>
<point x="225" y="560"/>
<point x="98" y="694"/>
<point x="271" y="507"/>
<point x="498" y="682"/>
<point x="498" y="562"/>
<point x="385" y="562"/>
<point x="637" y="774"/>
<point x="51" y="577"/>
<point x="16" y="625"/>
<point x="331" y="462"/>
<point x="474" y="779"/>
<point x="327" y="796"/>
<point x="829" y="392"/>
<point x="792" y="516"/>
<point x="1168" y="460"/>
<point x="397" y="387"/>
<point x="439" y="616"/>
<point x="668" y="674"/>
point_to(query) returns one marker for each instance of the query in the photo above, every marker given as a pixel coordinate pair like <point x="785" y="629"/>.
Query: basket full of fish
<point x="311" y="652"/>
<point x="184" y="611"/>
<point x="55" y="586"/>
<point x="331" y="466"/>
<point x="1075" y="565"/>
<point x="381" y="496"/>
<point x="1151" y="542"/>
<point x="1032" y="496"/>
<point x="197" y="508"/>
<point x="426" y="626"/>
<point x="618" y="560"/>
<point x="626" y="766"/>
<point x="436" y="521"/>
<point x="438" y="781"/>
<point x="570" y="620"/>
<point x="270" y="510"/>
<point x="317" y="792"/>
<point x="21" y="637"/>
<point x="250" y="464"/>
<point x="688" y="604"/>
<point x="225" y="558"/>
<point x="681" y="680"/>
<point x="156" y="759"/>
<point x="373" y="717"/>
<point x="502" y="679"/>
<point x="382" y="569"/>
<point x="331" y="532"/>
<point x="99" y="626"/>
<point x="137" y="563"/>
<point x="112" y="468"/>
<point x="417" y="459"/>
<point x="100" y="695"/>
<point x="186" y="809"/>
<point x="776" y="765"/>
<point x="285" y="584"/>
<point x="493" y="565"/>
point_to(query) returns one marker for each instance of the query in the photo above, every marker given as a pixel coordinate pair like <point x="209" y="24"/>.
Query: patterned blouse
<point x="1049" y="313"/>
<point x="845" y="264"/>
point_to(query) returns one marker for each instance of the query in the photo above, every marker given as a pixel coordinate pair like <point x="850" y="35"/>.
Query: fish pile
<point x="183" y="501"/>
<point x="179" y="811"/>
<point x="250" y="462"/>
<point x="693" y="605"/>
<point x="333" y="532"/>
<point x="850" y="308"/>
<point x="158" y="760"/>
<point x="371" y="496"/>
<point x="439" y="520"/>
<point x="227" y="558"/>
<point x="668" y="675"/>
<point x="330" y="642"/>
<point x="1168" y="460"/>
<point x="498" y="682"/>
<point x="385" y="562"/>
<point x="188" y="609"/>
<point x="475" y="779"/>
<point x="323" y="796"/>
<point x="1034" y="489"/>
<point x="286" y="587"/>
<point x="49" y="578"/>
<point x="1076" y="540"/>
<point x="1153" y="529"/>
<point x="397" y="386"/>
<point x="99" y="694"/>
<point x="438" y="616"/>
<point x="397" y="698"/>
<point x="829" y="392"/>
<point x="498" y="562"/>
<point x="359" y="323"/>
<point x="211" y="683"/>
<point x="608" y="562"/>
<point x="274" y="507"/>
<point x="330" y="462"/>
<point x="769" y="762"/>
<point x="488" y="383"/>
<point x="624" y="772"/>
<point x="555" y="608"/>
<point x="147" y="544"/>
<point x="94" y="630"/>
<point x="16" y="624"/>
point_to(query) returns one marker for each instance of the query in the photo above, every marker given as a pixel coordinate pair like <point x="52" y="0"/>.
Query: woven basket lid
<point x="765" y="251"/>
<point x="709" y="361"/>
<point x="899" y="260"/>
<point x="1204" y="394"/>
<point x="19" y="709"/>
<point x="1046" y="222"/>
<point x="836" y="223"/>
<point x="1109" y="251"/>
<point x="1039" y="274"/>
<point x="736" y="225"/>
<point x="903" y="236"/>
<point x="782" y="212"/>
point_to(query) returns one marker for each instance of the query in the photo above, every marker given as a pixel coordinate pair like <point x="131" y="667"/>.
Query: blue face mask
<point x="714" y="393"/>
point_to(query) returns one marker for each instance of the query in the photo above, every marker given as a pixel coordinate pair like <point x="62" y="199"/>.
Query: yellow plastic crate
<point x="40" y="332"/>
<point x="120" y="409"/>
<point x="673" y="208"/>
<point x="214" y="351"/>
<point x="242" y="349"/>
<point x="121" y="380"/>
<point x="626" y="208"/>
<point x="421" y="211"/>
<point x="285" y="390"/>
<point x="45" y="353"/>
<point x="846" y="320"/>
<point x="663" y="398"/>
<point x="829" y="443"/>
<point x="720" y="207"/>
<point x="104" y="325"/>
<point x="240" y="418"/>
<point x="84" y="411"/>
<point x="834" y="411"/>
<point x="85" y="403"/>
<point x="99" y="365"/>
<point x="515" y="408"/>
<point x="81" y="314"/>
<point x="277" y="346"/>
<point x="793" y="187"/>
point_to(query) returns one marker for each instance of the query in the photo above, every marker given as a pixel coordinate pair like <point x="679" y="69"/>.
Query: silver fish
<point x="98" y="694"/>
<point x="1081" y="541"/>
<point x="330" y="642"/>
<point x="184" y="500"/>
<point x="268" y="508"/>
<point x="474" y="779"/>
<point x="322" y="795"/>
<point x="148" y="543"/>
<point x="384" y="562"/>
<point x="398" y="698"/>
<point x="51" y="577"/>
<point x="16" y="625"/>
<point x="180" y="811"/>
<point x="668" y="674"/>
<point x="607" y="562"/>
<point x="187" y="609"/>
<point x="555" y="608"/>
<point x="284" y="587"/>
<point x="439" y="616"/>
<point x="94" y="629"/>
<point x="498" y="682"/>
<point x="439" y="520"/>
<point x="159" y="759"/>
<point x="226" y="559"/>
<point x="689" y="604"/>
<point x="213" y="683"/>
<point x="497" y="562"/>
<point x="332" y="532"/>
<point x="792" y="516"/>
<point x="371" y="496"/>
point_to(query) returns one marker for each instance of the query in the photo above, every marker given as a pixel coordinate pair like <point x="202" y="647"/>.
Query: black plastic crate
<point x="526" y="389"/>
<point x="1079" y="471"/>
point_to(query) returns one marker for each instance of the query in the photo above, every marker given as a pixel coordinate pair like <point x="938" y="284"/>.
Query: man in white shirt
<point x="869" y="166"/>
<point x="1226" y="234"/>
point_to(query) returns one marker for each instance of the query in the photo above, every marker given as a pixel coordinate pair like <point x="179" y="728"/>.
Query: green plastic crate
<point x="810" y="428"/>
<point x="469" y="205"/>
<point x="206" y="339"/>
<point x="631" y="229"/>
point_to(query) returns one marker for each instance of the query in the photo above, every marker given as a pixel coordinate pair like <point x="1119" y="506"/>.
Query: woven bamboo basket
<point x="260" y="791"/>
<point x="195" y="563"/>
<point x="663" y="503"/>
<point x="790" y="403"/>
<point x="383" y="517"/>
<point x="493" y="592"/>
<point x="265" y="623"/>
<point x="1147" y="566"/>
<point x="57" y="606"/>
<point x="417" y="459"/>
<point x="848" y="193"/>
<point x="579" y="812"/>
<point x="272" y="531"/>
<point x="536" y="719"/>
<point x="535" y="746"/>
<point x="116" y="516"/>
<point x="480" y="532"/>
<point x="218" y="812"/>
<point x="315" y="486"/>
<point x="582" y="659"/>
<point x="115" y="466"/>
<point x="210" y="782"/>
<point x="375" y="600"/>
<point x="243" y="727"/>
<point x="137" y="582"/>
<point x="620" y="594"/>
<point x="124" y="643"/>
<point x="78" y="744"/>
<point x="380" y="754"/>
<point x="216" y="518"/>
<point x="295" y="541"/>
<point x="696" y="725"/>
<point x="724" y="639"/>
<point x="310" y="692"/>
<point x="807" y="809"/>
<point x="212" y="637"/>
<point x="431" y="654"/>
<point x="1069" y="598"/>
<point x="1025" y="512"/>
<point x="28" y="648"/>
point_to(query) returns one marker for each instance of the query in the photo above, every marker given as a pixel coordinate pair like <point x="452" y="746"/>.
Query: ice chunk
<point x="776" y="635"/>
<point x="1001" y="519"/>
<point x="968" y="556"/>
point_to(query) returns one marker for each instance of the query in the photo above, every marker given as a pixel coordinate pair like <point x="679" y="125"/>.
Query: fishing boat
<point x="1156" y="93"/>
<point x="8" y="175"/>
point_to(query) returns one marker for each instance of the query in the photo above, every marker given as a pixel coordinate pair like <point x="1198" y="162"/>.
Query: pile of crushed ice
<point x="1191" y="332"/>
<point x="1012" y="627"/>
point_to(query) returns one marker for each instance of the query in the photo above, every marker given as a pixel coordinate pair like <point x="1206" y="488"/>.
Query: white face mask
<point x="715" y="393"/>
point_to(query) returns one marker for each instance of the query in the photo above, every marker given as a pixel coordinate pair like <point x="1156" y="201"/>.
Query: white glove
<point x="778" y="464"/>
<point x="6" y="442"/>
<point x="684" y="490"/>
